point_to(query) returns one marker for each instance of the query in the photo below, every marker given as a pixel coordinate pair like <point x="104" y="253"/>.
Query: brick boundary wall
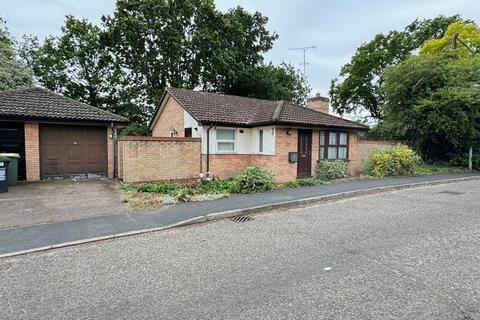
<point x="360" y="149"/>
<point x="143" y="159"/>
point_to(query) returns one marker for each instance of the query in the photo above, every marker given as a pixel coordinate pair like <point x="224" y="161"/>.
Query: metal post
<point x="470" y="156"/>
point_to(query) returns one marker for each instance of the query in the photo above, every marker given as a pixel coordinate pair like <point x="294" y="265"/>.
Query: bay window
<point x="333" y="145"/>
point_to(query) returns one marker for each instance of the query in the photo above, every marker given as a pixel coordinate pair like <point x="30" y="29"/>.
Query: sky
<point x="335" y="27"/>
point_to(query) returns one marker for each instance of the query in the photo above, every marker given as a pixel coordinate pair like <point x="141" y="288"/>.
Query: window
<point x="188" y="132"/>
<point x="333" y="145"/>
<point x="226" y="140"/>
<point x="260" y="141"/>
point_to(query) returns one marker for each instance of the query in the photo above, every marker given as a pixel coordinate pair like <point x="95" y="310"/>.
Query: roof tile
<point x="44" y="104"/>
<point x="218" y="108"/>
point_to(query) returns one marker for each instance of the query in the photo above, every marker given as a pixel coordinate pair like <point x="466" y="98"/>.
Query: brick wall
<point x="32" y="151"/>
<point x="360" y="149"/>
<point x="156" y="158"/>
<point x="171" y="117"/>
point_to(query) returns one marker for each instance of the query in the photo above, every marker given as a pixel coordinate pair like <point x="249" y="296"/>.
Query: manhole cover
<point x="454" y="193"/>
<point x="242" y="219"/>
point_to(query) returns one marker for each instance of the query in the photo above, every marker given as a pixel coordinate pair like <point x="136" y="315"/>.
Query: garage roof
<point x="38" y="103"/>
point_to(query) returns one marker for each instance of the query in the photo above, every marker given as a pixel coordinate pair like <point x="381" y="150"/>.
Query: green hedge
<point x="399" y="160"/>
<point x="331" y="170"/>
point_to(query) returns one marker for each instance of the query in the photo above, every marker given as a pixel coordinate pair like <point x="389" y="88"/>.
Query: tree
<point x="274" y="83"/>
<point x="77" y="64"/>
<point x="13" y="74"/>
<point x="360" y="87"/>
<point x="469" y="34"/>
<point x="434" y="102"/>
<point x="186" y="44"/>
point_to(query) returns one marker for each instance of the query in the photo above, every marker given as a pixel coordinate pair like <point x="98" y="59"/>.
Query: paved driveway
<point x="411" y="254"/>
<point x="53" y="201"/>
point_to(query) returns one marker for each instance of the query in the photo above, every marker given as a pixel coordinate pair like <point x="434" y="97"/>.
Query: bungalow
<point x="57" y="136"/>
<point x="237" y="132"/>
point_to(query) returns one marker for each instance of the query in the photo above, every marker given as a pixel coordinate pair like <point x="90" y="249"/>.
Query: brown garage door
<point x="69" y="151"/>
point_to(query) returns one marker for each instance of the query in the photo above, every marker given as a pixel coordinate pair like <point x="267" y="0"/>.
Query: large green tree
<point x="359" y="87"/>
<point x="434" y="102"/>
<point x="77" y="64"/>
<point x="13" y="73"/>
<point x="146" y="45"/>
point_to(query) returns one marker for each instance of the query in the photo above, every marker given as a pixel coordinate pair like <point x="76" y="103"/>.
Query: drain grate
<point x="241" y="219"/>
<point x="454" y="193"/>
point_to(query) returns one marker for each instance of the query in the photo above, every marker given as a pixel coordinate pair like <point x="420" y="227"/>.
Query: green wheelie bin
<point x="12" y="167"/>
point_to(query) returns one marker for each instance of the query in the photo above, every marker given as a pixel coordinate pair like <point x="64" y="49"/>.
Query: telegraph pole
<point x="305" y="63"/>
<point x="455" y="42"/>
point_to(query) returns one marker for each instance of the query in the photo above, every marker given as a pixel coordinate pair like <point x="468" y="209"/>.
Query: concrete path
<point x="43" y="236"/>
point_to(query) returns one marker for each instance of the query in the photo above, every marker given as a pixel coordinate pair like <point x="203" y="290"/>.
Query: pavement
<point x="409" y="254"/>
<point x="54" y="201"/>
<point x="50" y="235"/>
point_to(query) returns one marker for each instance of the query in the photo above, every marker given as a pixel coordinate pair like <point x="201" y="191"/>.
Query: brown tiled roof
<point x="38" y="103"/>
<point x="214" y="108"/>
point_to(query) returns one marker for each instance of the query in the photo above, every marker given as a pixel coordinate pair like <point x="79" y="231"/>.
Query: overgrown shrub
<point x="331" y="170"/>
<point x="461" y="160"/>
<point x="218" y="186"/>
<point x="399" y="160"/>
<point x="255" y="179"/>
<point x="163" y="187"/>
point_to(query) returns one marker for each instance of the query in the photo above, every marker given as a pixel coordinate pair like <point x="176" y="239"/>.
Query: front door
<point x="304" y="165"/>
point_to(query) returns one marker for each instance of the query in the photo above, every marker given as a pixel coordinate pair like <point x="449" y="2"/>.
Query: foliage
<point x="163" y="188"/>
<point x="218" y="186"/>
<point x="361" y="80"/>
<point x="399" y="160"/>
<point x="437" y="168"/>
<point x="460" y="159"/>
<point x="469" y="33"/>
<point x="434" y="102"/>
<point x="78" y="64"/>
<point x="13" y="73"/>
<point x="125" y="64"/>
<point x="331" y="170"/>
<point x="134" y="129"/>
<point x="309" y="182"/>
<point x="271" y="82"/>
<point x="255" y="179"/>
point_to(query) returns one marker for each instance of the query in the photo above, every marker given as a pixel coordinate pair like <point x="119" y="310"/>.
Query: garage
<point x="57" y="137"/>
<point x="73" y="151"/>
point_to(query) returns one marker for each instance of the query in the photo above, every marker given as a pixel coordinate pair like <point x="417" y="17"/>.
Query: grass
<point x="436" y="168"/>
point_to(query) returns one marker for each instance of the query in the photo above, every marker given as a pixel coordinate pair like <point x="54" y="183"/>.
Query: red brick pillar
<point x="32" y="151"/>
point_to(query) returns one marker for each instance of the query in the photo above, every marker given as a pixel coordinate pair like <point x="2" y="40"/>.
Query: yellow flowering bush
<point x="399" y="160"/>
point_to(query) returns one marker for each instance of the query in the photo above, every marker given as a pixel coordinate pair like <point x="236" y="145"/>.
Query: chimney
<point x="318" y="103"/>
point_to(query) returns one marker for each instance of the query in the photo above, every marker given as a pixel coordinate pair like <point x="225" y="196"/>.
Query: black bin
<point x="3" y="174"/>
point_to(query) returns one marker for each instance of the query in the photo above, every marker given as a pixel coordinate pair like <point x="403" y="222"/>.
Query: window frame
<point x="326" y="144"/>
<point x="261" y="141"/>
<point x="234" y="141"/>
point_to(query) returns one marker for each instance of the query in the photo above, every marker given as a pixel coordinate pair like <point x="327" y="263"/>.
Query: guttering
<point x="208" y="148"/>
<point x="114" y="138"/>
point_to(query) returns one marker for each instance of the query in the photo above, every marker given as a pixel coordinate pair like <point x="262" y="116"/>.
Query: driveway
<point x="411" y="254"/>
<point x="54" y="201"/>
